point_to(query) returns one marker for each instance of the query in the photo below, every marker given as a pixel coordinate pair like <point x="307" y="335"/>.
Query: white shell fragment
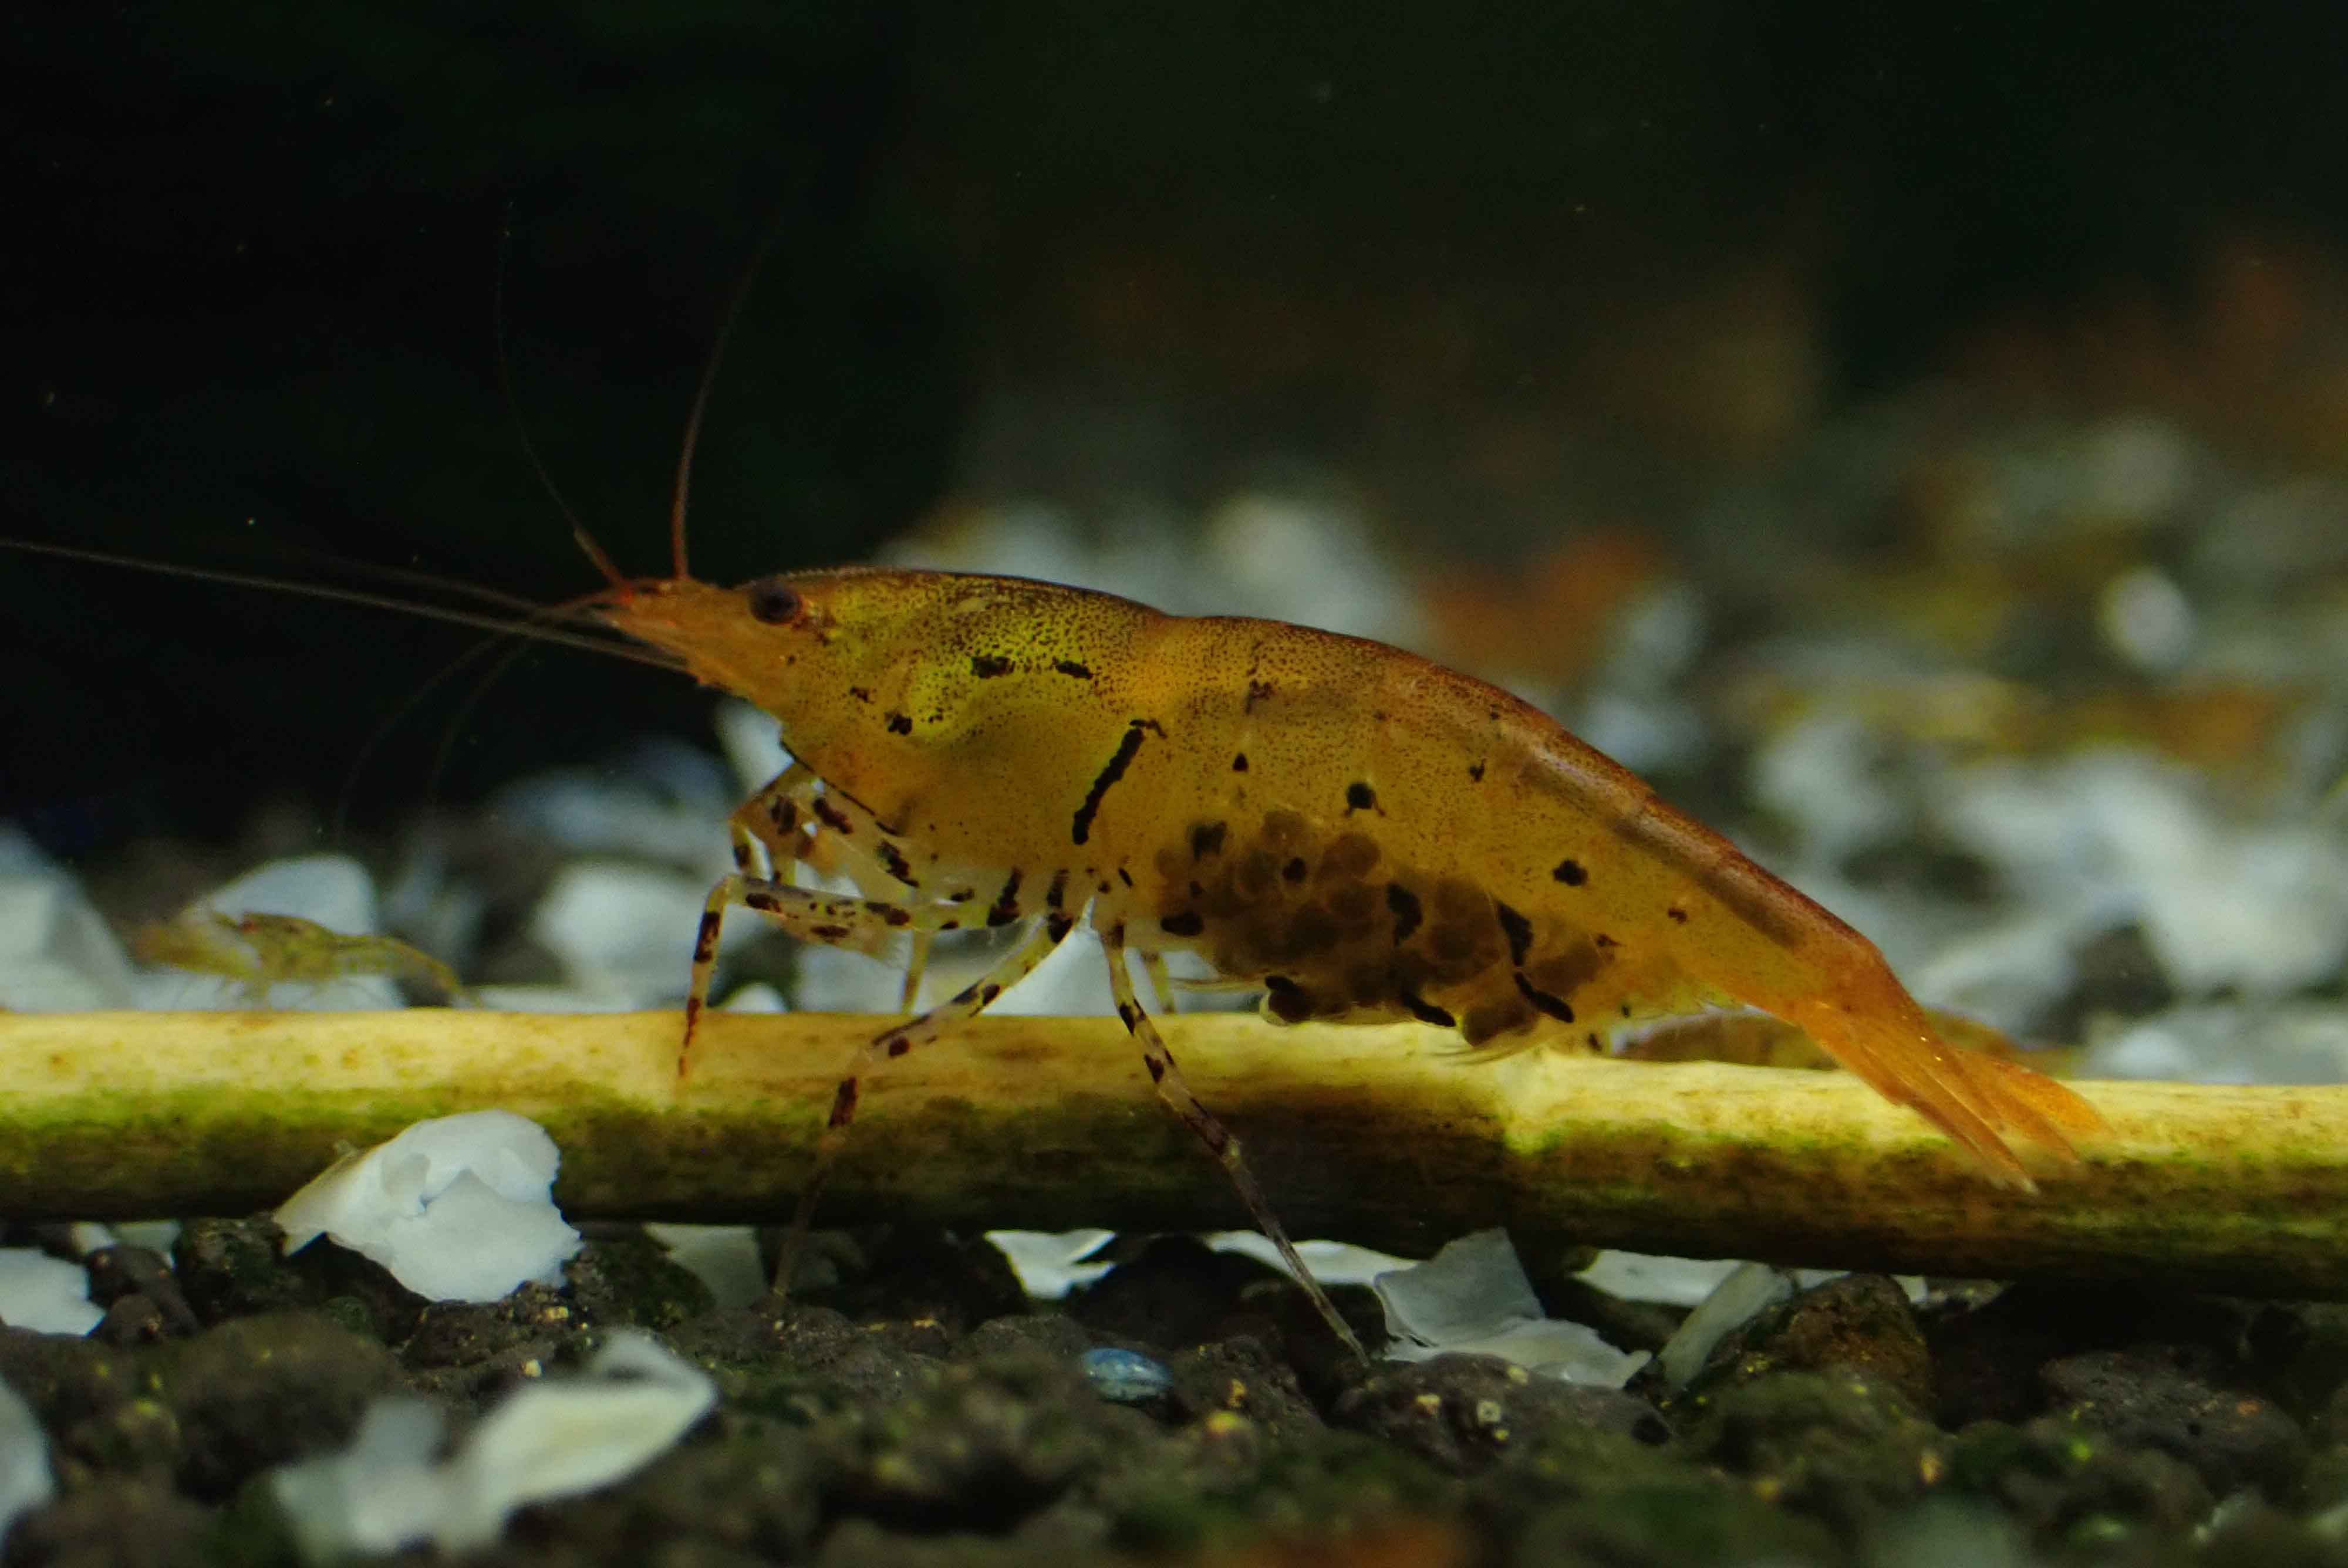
<point x="1646" y="1277"/>
<point x="45" y="1294"/>
<point x="1473" y="1298"/>
<point x="456" y="1208"/>
<point x="724" y="1257"/>
<point x="1749" y="1290"/>
<point x="381" y="1493"/>
<point x="26" y="1481"/>
<point x="1332" y="1262"/>
<point x="1050" y="1264"/>
<point x="634" y="1400"/>
<point x="558" y="1439"/>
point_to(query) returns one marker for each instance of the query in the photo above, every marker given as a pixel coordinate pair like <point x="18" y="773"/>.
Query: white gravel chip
<point x="1645" y="1276"/>
<point x="456" y="1208"/>
<point x="724" y="1257"/>
<point x="26" y="1480"/>
<point x="1750" y="1290"/>
<point x="385" y="1492"/>
<point x="1473" y="1298"/>
<point x="45" y="1294"/>
<point x="1050" y="1264"/>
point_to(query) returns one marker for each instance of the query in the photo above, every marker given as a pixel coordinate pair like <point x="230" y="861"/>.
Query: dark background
<point x="253" y="268"/>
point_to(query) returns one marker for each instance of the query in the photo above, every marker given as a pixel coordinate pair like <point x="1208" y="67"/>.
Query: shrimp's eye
<point x="773" y="602"/>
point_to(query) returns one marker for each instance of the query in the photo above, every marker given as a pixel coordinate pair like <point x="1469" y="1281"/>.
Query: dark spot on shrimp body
<point x="1112" y="769"/>
<point x="1406" y="911"/>
<point x="1005" y="907"/>
<point x="1519" y="930"/>
<point x="1554" y="1006"/>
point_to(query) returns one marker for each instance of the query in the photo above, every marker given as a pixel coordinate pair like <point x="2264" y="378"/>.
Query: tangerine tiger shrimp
<point x="1360" y="833"/>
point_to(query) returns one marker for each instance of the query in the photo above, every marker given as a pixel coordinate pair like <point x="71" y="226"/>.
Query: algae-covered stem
<point x="1371" y="1134"/>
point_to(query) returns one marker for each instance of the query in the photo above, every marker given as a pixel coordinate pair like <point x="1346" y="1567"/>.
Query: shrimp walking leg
<point x="1162" y="981"/>
<point x="1218" y="1139"/>
<point x="889" y="1044"/>
<point x="769" y="820"/>
<point x="835" y="919"/>
<point x="916" y="966"/>
<point x="768" y="825"/>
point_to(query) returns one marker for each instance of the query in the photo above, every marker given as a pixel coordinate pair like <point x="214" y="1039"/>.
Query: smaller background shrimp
<point x="259" y="952"/>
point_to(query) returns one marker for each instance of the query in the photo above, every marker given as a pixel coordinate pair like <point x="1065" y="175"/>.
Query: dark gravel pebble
<point x="1179" y="1291"/>
<point x="234" y="1268"/>
<point x="1460" y="1413"/>
<point x="261" y="1392"/>
<point x="1043" y="1333"/>
<point x="1243" y="1376"/>
<point x="2068" y="1485"/>
<point x="131" y="1320"/>
<point x="132" y="1524"/>
<point x="2158" y="1399"/>
<point x="120" y="1271"/>
<point x="1861" y="1321"/>
<point x="1834" y="1446"/>
<point x="984" y="1444"/>
<point x="630" y="1278"/>
<point x="909" y="1272"/>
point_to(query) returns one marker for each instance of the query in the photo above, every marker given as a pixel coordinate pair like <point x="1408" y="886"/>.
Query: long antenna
<point x="585" y="540"/>
<point x="532" y="626"/>
<point x="411" y="578"/>
<point x="701" y="395"/>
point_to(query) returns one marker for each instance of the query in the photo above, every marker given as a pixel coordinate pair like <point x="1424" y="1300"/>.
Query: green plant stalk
<point x="1377" y="1135"/>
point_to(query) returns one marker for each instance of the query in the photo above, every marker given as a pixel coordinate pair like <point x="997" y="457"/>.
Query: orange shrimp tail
<point x="1984" y="1103"/>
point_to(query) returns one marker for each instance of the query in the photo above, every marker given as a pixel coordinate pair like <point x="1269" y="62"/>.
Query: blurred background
<point x="1813" y="406"/>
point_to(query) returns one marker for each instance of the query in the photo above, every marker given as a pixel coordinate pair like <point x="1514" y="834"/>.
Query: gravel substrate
<point x="923" y="1410"/>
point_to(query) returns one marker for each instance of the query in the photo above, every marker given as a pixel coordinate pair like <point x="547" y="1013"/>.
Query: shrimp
<point x="1362" y="834"/>
<point x="261" y="952"/>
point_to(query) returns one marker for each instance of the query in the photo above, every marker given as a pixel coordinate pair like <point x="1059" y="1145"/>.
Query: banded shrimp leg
<point x="891" y="1043"/>
<point x="1193" y="1113"/>
<point x="774" y="832"/>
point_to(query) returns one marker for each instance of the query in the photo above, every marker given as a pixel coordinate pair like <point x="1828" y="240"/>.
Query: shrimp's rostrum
<point x="1366" y="834"/>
